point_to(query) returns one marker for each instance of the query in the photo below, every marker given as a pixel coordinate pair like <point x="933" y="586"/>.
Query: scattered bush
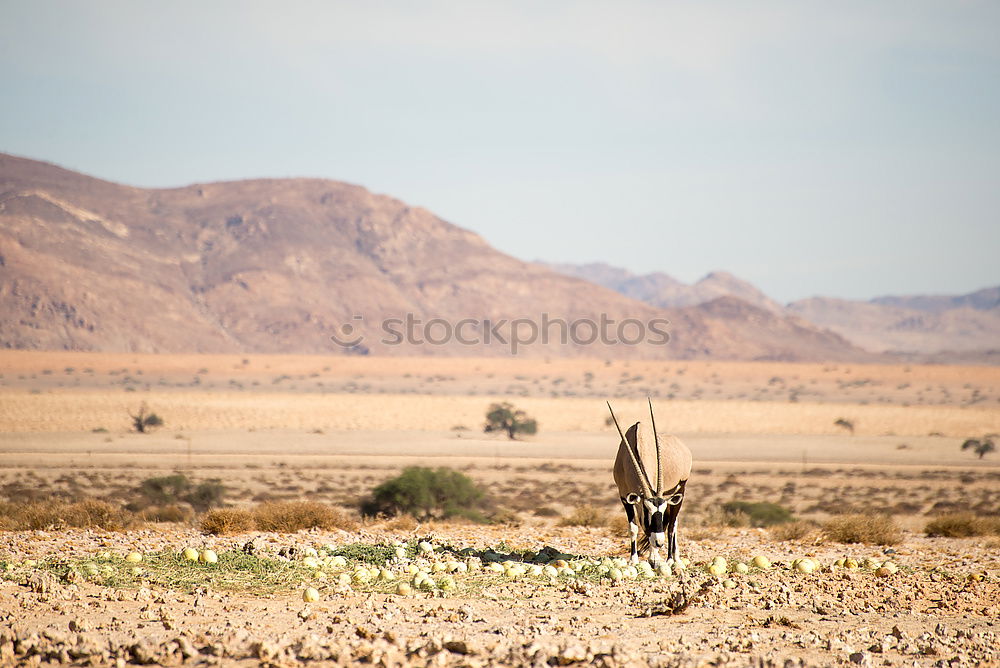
<point x="222" y="521"/>
<point x="427" y="494"/>
<point x="546" y="511"/>
<point x="980" y="446"/>
<point x="402" y="523"/>
<point x="845" y="423"/>
<point x="796" y="530"/>
<point x="618" y="526"/>
<point x="504" y="516"/>
<point x="168" y="513"/>
<point x="962" y="525"/>
<point x="58" y="515"/>
<point x="585" y="516"/>
<point x="143" y="422"/>
<point x="290" y="516"/>
<point x="283" y="517"/>
<point x="175" y="489"/>
<point x="760" y="513"/>
<point x="206" y="495"/>
<point x="504" y="417"/>
<point x="861" y="528"/>
<point x="163" y="490"/>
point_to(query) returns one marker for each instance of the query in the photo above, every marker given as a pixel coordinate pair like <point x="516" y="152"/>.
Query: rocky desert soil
<point x="283" y="429"/>
<point x="939" y="608"/>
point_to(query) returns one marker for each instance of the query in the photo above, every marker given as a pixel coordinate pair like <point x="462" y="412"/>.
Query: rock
<point x="457" y="647"/>
<point x="571" y="654"/>
<point x="860" y="658"/>
<point x="143" y="653"/>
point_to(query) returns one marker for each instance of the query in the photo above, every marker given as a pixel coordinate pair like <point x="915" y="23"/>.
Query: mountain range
<point x="954" y="327"/>
<point x="282" y="265"/>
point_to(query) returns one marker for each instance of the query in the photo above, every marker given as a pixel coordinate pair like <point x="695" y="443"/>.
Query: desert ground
<point x="309" y="428"/>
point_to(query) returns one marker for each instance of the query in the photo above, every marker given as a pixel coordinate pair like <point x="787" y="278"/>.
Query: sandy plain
<point x="330" y="429"/>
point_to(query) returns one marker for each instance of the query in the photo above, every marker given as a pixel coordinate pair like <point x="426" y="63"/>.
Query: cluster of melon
<point x="719" y="566"/>
<point x="205" y="556"/>
<point x="882" y="569"/>
<point x="435" y="570"/>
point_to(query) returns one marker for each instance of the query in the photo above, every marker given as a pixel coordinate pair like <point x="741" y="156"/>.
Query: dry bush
<point x="223" y="521"/>
<point x="860" y="528"/>
<point x="796" y="530"/>
<point x="546" y="511"/>
<point x="585" y="516"/>
<point x="89" y="513"/>
<point x="962" y="525"/>
<point x="504" y="516"/>
<point x="290" y="516"/>
<point x="721" y="517"/>
<point x="618" y="527"/>
<point x="705" y="532"/>
<point x="401" y="523"/>
<point x="167" y="513"/>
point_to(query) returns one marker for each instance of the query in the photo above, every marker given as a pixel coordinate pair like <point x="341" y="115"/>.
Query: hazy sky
<point x="842" y="148"/>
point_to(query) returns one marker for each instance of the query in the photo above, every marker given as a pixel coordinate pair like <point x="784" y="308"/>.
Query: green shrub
<point x="427" y="494"/>
<point x="760" y="513"/>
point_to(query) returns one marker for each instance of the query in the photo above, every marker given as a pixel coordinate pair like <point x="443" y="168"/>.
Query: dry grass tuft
<point x="962" y="525"/>
<point x="222" y="521"/>
<point x="59" y="515"/>
<point x="796" y="530"/>
<point x="167" y="513"/>
<point x="291" y="516"/>
<point x="618" y="527"/>
<point x="868" y="529"/>
<point x="585" y="516"/>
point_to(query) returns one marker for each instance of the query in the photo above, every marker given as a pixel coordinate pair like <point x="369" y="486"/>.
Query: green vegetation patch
<point x="235" y="571"/>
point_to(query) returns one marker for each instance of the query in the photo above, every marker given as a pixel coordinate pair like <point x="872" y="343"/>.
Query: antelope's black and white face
<point x="653" y="512"/>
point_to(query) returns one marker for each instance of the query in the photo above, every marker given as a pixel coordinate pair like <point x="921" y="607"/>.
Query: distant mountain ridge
<point x="280" y="265"/>
<point x="663" y="290"/>
<point x="937" y="325"/>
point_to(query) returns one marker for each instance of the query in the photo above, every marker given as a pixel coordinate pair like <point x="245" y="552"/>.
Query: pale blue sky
<point x="844" y="148"/>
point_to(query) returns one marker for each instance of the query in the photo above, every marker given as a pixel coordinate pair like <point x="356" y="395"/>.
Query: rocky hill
<point x="280" y="265"/>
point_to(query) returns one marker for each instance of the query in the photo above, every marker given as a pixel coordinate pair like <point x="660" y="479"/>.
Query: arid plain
<point x="329" y="429"/>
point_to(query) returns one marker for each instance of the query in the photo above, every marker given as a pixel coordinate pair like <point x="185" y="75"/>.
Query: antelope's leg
<point x="633" y="529"/>
<point x="671" y="521"/>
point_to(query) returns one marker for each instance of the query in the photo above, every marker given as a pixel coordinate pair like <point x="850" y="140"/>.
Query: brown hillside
<point x="277" y="265"/>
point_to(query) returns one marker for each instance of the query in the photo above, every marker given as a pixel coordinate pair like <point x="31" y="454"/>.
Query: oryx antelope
<point x="652" y="509"/>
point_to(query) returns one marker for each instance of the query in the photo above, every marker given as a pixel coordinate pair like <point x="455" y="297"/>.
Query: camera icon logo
<point x="348" y="335"/>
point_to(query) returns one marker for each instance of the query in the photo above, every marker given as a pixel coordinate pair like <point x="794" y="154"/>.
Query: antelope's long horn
<point x="636" y="464"/>
<point x="659" y="459"/>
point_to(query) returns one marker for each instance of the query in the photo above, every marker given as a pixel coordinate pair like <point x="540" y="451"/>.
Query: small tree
<point x="980" y="446"/>
<point x="845" y="423"/>
<point x="144" y="421"/>
<point x="504" y="417"/>
<point x="426" y="493"/>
